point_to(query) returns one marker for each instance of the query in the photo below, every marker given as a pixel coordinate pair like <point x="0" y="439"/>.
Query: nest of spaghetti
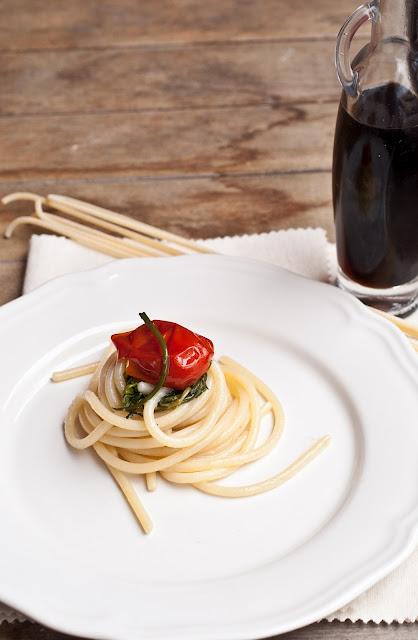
<point x="196" y="443"/>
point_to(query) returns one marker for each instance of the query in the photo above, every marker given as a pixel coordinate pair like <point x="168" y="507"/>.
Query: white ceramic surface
<point x="71" y="554"/>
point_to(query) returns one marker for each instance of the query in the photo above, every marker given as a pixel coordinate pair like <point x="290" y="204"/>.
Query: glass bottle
<point x="375" y="165"/>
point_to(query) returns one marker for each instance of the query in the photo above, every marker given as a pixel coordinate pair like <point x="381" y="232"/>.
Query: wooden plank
<point x="11" y="278"/>
<point x="255" y="139"/>
<point x="243" y="74"/>
<point x="201" y="208"/>
<point x="320" y="631"/>
<point x="100" y="23"/>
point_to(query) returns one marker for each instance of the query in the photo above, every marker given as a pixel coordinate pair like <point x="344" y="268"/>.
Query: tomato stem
<point x="164" y="353"/>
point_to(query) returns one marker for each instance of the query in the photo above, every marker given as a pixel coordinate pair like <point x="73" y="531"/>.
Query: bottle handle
<point x="347" y="77"/>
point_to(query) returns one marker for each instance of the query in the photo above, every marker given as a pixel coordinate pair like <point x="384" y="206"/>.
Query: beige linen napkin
<point x="304" y="251"/>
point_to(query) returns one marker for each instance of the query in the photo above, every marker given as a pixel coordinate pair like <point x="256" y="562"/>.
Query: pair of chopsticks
<point x="97" y="228"/>
<point x="120" y="236"/>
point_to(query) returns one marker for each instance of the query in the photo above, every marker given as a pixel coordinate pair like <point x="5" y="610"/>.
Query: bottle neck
<point x="396" y="20"/>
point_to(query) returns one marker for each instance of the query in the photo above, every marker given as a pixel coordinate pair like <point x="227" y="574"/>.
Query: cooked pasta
<point x="197" y="443"/>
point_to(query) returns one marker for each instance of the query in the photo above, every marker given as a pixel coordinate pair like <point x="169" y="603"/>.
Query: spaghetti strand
<point x="197" y="443"/>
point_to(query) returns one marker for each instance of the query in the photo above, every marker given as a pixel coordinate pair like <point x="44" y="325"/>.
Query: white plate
<point x="71" y="554"/>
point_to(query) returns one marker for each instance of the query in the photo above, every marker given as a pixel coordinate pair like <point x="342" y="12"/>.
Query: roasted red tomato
<point x="189" y="354"/>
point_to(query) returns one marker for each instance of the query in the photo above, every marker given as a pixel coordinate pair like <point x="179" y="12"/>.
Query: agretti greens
<point x="133" y="399"/>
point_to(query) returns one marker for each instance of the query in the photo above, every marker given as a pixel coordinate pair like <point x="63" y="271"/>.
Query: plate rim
<point x="410" y="537"/>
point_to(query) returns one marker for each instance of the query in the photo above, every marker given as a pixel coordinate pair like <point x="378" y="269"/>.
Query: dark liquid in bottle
<point x="375" y="187"/>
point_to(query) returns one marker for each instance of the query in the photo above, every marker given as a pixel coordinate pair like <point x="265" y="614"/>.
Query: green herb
<point x="133" y="399"/>
<point x="176" y="398"/>
<point x="164" y="353"/>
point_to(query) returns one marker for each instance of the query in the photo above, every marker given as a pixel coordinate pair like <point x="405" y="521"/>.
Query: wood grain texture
<point x="251" y="140"/>
<point x="319" y="631"/>
<point x="11" y="278"/>
<point x="202" y="208"/>
<point x="124" y="80"/>
<point x="105" y="23"/>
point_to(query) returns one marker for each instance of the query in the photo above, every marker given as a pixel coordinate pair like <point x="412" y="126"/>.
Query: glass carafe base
<point x="400" y="301"/>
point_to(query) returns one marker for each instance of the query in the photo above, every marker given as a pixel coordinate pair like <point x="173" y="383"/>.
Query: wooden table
<point x="204" y="117"/>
